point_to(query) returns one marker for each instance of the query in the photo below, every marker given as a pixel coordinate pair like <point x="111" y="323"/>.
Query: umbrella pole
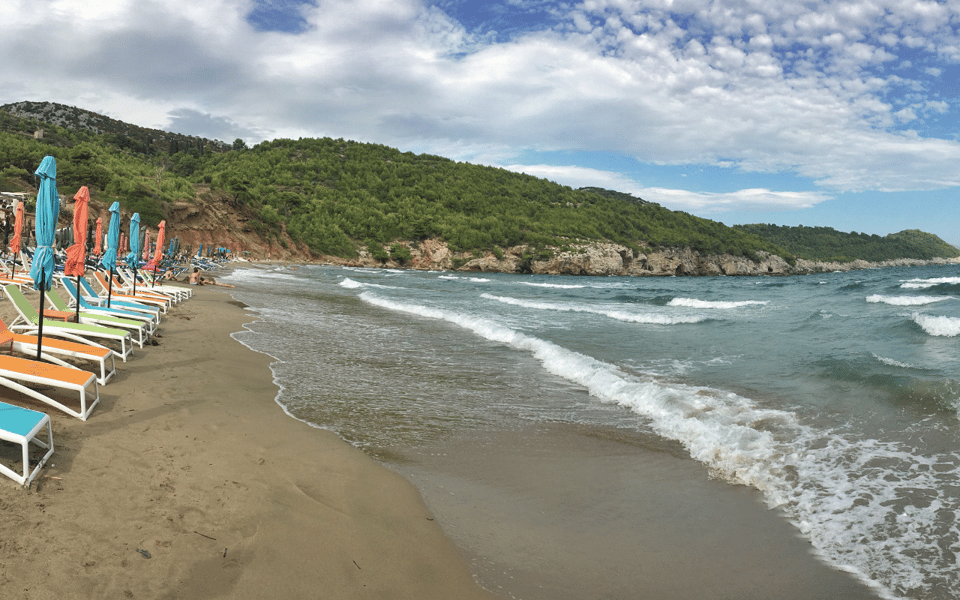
<point x="43" y="300"/>
<point x="134" y="281"/>
<point x="78" y="298"/>
<point x="110" y="288"/>
<point x="154" y="275"/>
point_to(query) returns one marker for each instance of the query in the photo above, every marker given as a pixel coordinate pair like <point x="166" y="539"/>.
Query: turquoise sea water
<point x="836" y="396"/>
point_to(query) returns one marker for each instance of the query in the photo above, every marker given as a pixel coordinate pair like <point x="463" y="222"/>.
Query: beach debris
<point x="356" y="565"/>
<point x="145" y="553"/>
<point x="224" y="552"/>
<point x="206" y="536"/>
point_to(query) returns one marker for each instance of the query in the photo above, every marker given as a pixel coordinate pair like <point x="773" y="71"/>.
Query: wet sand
<point x="189" y="458"/>
<point x="562" y="512"/>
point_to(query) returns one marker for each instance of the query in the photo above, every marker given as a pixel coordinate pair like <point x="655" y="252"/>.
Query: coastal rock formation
<point x="604" y="258"/>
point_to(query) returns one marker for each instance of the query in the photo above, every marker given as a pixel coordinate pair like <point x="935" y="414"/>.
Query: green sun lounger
<point x="29" y="322"/>
<point x="139" y="328"/>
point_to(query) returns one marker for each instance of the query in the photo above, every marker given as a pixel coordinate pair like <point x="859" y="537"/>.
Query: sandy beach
<point x="189" y="458"/>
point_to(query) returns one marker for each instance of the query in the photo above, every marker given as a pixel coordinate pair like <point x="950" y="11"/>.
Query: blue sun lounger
<point x="22" y="426"/>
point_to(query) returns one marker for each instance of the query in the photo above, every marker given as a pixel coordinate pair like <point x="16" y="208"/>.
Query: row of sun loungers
<point x="95" y="339"/>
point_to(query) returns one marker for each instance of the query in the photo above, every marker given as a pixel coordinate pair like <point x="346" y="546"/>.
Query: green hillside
<point x="338" y="196"/>
<point x="335" y="193"/>
<point x="827" y="244"/>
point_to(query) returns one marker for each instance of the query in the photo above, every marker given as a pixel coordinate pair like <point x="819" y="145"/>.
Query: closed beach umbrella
<point x="17" y="234"/>
<point x="98" y="238"/>
<point x="146" y="245"/>
<point x="48" y="209"/>
<point x="158" y="253"/>
<point x="109" y="260"/>
<point x="133" y="259"/>
<point x="77" y="253"/>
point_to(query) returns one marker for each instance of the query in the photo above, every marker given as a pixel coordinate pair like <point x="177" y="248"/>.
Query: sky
<point x="843" y="114"/>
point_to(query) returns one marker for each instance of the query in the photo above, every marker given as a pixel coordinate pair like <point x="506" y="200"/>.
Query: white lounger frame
<point x="24" y="440"/>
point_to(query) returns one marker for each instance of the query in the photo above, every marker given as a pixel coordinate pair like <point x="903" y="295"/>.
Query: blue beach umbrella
<point x="48" y="209"/>
<point x="109" y="260"/>
<point x="133" y="259"/>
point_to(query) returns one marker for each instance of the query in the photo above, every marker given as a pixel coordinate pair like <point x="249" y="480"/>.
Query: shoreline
<point x="190" y="458"/>
<point x="568" y="512"/>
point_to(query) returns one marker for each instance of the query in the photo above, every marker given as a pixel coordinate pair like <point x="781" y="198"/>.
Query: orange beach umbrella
<point x="17" y="230"/>
<point x="158" y="253"/>
<point x="77" y="253"/>
<point x="98" y="238"/>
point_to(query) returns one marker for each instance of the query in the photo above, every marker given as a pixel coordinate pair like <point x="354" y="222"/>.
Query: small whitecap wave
<point x="938" y="326"/>
<point x="892" y="363"/>
<point x="694" y="303"/>
<point x="929" y="283"/>
<point x="351" y="284"/>
<point x="559" y="286"/>
<point x="907" y="300"/>
<point x="619" y="315"/>
<point x="473" y="279"/>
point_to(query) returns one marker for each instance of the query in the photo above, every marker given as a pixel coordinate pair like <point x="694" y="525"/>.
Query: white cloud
<point x="675" y="199"/>
<point x="756" y="86"/>
<point x="741" y="200"/>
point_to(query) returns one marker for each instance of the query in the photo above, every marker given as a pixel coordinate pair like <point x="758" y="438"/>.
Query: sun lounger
<point x="126" y="286"/>
<point x="152" y="283"/>
<point x="54" y="348"/>
<point x="16" y="371"/>
<point x="23" y="426"/>
<point x="152" y="317"/>
<point x="90" y="296"/>
<point x="140" y="329"/>
<point x="29" y="322"/>
<point x="162" y="303"/>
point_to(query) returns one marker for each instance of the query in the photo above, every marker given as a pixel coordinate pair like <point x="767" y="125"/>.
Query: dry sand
<point x="189" y="458"/>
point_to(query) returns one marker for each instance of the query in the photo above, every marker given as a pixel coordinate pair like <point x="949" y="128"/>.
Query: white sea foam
<point x="907" y="300"/>
<point x="938" y="326"/>
<point x="839" y="490"/>
<point x="694" y="303"/>
<point x="893" y="363"/>
<point x="561" y="286"/>
<point x="619" y="315"/>
<point x="351" y="284"/>
<point x="928" y="283"/>
<point x="473" y="279"/>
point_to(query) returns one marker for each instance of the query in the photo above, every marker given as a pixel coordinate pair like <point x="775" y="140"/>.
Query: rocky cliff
<point x="612" y="259"/>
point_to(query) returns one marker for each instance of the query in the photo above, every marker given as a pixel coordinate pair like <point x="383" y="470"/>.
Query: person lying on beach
<point x="197" y="279"/>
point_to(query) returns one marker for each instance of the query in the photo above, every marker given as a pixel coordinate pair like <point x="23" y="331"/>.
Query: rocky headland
<point x="612" y="259"/>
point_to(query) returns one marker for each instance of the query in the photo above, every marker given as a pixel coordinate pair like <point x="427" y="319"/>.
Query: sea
<point x="833" y="398"/>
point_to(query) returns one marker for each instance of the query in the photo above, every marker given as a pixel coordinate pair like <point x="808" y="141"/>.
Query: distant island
<point x="338" y="201"/>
